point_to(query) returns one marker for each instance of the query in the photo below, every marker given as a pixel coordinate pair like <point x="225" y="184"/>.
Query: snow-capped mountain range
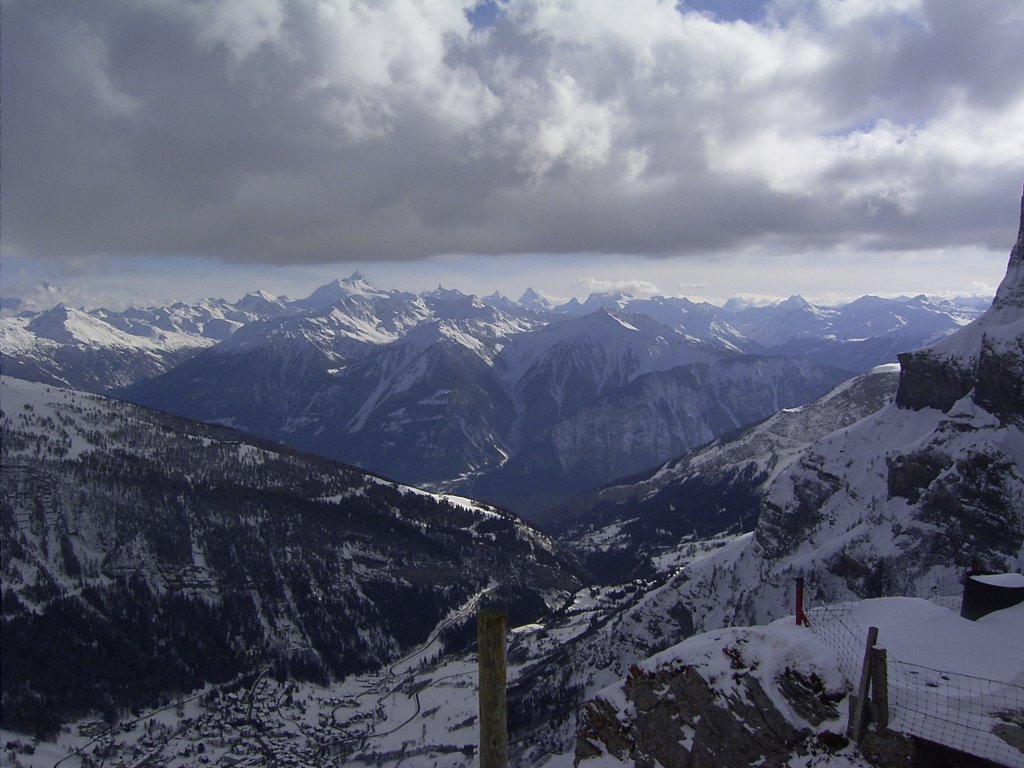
<point x="520" y="402"/>
<point x="344" y="318"/>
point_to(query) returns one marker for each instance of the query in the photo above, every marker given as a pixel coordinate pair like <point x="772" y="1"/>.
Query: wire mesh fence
<point x="948" y="592"/>
<point x="974" y="715"/>
<point x="836" y="627"/>
<point x="971" y="714"/>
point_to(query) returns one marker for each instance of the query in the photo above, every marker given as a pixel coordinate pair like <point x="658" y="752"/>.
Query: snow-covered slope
<point x="700" y="320"/>
<point x="589" y="355"/>
<point x="66" y="346"/>
<point x="625" y="429"/>
<point x="100" y="350"/>
<point x="150" y="536"/>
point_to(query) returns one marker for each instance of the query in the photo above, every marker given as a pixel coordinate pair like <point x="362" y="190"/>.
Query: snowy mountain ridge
<point x="364" y="314"/>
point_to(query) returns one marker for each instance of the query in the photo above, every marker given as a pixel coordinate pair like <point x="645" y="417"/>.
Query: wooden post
<point x="492" y="626"/>
<point x="858" y="719"/>
<point x="879" y="688"/>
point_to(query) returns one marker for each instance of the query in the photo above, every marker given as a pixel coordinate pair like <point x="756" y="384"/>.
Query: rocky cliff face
<point x="986" y="357"/>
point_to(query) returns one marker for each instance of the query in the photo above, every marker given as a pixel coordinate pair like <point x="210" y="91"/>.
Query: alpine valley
<point x="179" y="590"/>
<point x="518" y="402"/>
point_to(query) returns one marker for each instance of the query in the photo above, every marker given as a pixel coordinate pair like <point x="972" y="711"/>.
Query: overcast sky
<point x="160" y="148"/>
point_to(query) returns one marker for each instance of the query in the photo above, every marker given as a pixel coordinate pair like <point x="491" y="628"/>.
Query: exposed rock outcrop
<point x="999" y="382"/>
<point x="928" y="380"/>
<point x="722" y="701"/>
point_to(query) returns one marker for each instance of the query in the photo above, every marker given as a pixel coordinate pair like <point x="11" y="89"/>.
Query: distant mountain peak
<point x="55" y="319"/>
<point x="340" y="289"/>
<point x="795" y="302"/>
<point x="735" y="304"/>
<point x="498" y="300"/>
<point x="536" y="300"/>
<point x="260" y="302"/>
<point x="445" y="293"/>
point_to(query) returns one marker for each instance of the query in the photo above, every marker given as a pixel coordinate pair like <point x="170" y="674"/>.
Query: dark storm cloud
<point x="270" y="131"/>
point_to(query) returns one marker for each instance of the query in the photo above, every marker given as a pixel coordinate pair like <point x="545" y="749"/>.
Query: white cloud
<point x="638" y="288"/>
<point x="372" y="62"/>
<point x="241" y="26"/>
<point x="569" y="129"/>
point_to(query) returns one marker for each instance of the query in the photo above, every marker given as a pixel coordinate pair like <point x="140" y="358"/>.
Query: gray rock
<point x="678" y="720"/>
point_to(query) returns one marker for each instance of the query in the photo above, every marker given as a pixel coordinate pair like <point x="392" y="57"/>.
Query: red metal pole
<point x="801" y="617"/>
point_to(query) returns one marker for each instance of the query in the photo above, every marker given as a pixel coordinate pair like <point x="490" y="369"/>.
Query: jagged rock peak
<point x="340" y="289"/>
<point x="531" y="299"/>
<point x="1010" y="293"/>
